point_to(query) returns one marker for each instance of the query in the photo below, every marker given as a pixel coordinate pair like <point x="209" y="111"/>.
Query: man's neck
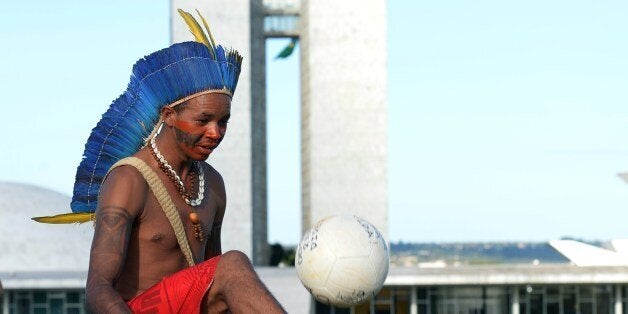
<point x="169" y="149"/>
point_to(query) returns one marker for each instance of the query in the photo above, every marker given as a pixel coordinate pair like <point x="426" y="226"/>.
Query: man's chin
<point x="204" y="150"/>
<point x="201" y="153"/>
<point x="200" y="157"/>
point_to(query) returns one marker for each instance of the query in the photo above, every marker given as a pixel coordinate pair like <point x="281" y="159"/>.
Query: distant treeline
<point x="480" y="252"/>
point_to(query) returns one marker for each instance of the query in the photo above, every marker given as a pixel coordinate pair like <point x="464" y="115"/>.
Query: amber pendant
<point x="198" y="229"/>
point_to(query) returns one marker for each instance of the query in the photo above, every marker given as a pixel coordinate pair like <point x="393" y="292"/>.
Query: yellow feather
<point x="66" y="218"/>
<point x="209" y="32"/>
<point x="196" y="29"/>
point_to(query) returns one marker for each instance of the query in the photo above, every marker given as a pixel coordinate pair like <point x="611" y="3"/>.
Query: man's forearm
<point x="104" y="299"/>
<point x="113" y="226"/>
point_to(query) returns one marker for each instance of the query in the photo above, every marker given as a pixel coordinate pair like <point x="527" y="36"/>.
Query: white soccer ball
<point x="343" y="260"/>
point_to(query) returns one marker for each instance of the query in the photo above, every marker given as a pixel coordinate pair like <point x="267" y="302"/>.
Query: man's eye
<point x="201" y="121"/>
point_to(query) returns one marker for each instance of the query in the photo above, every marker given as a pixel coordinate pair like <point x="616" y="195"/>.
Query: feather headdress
<point x="167" y="77"/>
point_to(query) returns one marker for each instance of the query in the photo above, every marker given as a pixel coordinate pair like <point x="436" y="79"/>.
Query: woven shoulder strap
<point x="164" y="200"/>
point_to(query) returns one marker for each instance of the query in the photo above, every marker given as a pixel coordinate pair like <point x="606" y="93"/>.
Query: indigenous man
<point x="158" y="213"/>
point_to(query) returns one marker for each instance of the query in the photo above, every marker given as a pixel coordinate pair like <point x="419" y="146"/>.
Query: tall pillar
<point x="5" y="302"/>
<point x="343" y="113"/>
<point x="618" y="300"/>
<point x="241" y="158"/>
<point x="514" y="306"/>
<point x="414" y="307"/>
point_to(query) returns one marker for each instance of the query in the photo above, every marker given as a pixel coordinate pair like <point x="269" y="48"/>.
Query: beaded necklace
<point x="187" y="197"/>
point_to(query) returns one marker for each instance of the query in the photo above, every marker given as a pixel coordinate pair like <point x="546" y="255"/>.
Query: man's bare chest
<point x="154" y="229"/>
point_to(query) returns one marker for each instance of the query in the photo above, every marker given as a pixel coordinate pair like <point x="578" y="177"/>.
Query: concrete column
<point x="312" y="305"/>
<point x="414" y="307"/>
<point x="241" y="158"/>
<point x="514" y="306"/>
<point x="5" y="302"/>
<point x="343" y="113"/>
<point x="618" y="300"/>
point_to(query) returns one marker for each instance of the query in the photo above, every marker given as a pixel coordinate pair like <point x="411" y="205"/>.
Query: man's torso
<point x="153" y="251"/>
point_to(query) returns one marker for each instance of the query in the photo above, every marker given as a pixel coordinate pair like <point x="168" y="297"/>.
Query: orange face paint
<point x="188" y="127"/>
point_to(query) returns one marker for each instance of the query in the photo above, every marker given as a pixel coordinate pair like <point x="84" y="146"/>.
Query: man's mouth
<point x="207" y="149"/>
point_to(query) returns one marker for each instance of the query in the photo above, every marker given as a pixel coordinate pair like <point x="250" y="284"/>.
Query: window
<point x="46" y="301"/>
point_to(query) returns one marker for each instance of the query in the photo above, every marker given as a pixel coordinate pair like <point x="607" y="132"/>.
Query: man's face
<point x="202" y="124"/>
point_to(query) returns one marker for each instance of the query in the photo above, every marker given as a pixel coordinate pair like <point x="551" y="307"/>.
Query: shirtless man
<point x="134" y="246"/>
<point x="158" y="206"/>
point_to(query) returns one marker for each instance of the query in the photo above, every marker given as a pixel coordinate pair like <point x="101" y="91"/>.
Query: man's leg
<point x="238" y="289"/>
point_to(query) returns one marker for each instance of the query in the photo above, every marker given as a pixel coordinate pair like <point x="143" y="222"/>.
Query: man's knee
<point x="234" y="261"/>
<point x="235" y="257"/>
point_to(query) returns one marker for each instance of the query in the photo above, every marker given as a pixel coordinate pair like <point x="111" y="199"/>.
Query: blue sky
<point x="508" y="120"/>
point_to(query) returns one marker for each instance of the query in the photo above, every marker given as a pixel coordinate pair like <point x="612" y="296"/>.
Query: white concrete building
<point x="43" y="268"/>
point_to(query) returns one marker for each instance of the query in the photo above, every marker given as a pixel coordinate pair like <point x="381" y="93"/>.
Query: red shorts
<point x="181" y="292"/>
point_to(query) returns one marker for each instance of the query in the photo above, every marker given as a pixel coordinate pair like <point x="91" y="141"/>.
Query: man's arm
<point x="120" y="201"/>
<point x="213" y="246"/>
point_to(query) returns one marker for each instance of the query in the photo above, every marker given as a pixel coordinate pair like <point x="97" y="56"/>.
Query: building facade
<point x="505" y="289"/>
<point x="343" y="110"/>
<point x="43" y="267"/>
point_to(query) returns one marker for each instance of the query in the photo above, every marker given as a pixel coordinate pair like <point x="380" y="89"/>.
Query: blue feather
<point x="158" y="79"/>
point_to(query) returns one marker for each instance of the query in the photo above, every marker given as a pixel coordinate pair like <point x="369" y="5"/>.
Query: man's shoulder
<point x="125" y="169"/>
<point x="214" y="181"/>
<point x="124" y="189"/>
<point x="126" y="176"/>
<point x="211" y="173"/>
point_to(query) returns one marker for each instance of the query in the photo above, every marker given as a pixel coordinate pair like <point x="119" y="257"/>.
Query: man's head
<point x="199" y="124"/>
<point x="201" y="74"/>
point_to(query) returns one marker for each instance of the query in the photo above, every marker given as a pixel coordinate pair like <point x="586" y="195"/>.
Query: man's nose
<point x="212" y="131"/>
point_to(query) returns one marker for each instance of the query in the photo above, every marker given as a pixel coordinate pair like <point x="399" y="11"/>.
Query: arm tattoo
<point x="113" y="228"/>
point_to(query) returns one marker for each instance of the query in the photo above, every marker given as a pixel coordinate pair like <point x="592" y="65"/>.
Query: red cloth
<point x="181" y="292"/>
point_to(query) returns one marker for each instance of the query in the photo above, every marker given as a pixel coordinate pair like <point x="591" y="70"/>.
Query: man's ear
<point x="168" y="114"/>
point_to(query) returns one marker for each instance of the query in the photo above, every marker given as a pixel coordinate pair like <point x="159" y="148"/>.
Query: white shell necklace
<point x="165" y="166"/>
